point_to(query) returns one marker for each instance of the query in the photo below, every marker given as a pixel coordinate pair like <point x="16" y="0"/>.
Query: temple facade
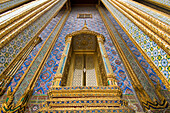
<point x="83" y="56"/>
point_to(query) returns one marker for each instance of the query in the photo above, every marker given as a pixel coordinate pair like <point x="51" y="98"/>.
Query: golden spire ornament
<point x="85" y="26"/>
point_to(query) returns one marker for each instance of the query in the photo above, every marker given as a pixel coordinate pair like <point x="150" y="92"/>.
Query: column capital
<point x="68" y="39"/>
<point x="100" y="38"/>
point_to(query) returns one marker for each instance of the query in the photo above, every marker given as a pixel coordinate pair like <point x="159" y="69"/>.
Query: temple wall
<point x="31" y="75"/>
<point x="16" y="45"/>
<point x="44" y="35"/>
<point x="34" y="62"/>
<point x="73" y="24"/>
<point x="144" y="64"/>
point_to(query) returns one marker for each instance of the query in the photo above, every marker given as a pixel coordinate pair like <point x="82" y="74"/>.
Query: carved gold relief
<point x="84" y="42"/>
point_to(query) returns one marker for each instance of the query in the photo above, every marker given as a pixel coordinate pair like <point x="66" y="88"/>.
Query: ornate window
<point x="84" y="61"/>
<point x="85" y="75"/>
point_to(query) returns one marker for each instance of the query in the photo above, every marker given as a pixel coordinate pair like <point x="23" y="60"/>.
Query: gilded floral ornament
<point x="8" y="103"/>
<point x="84" y="30"/>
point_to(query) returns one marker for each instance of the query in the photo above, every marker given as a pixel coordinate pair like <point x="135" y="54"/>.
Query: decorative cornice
<point x="84" y="32"/>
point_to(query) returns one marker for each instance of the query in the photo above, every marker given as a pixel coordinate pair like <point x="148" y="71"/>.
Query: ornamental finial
<point x="85" y="26"/>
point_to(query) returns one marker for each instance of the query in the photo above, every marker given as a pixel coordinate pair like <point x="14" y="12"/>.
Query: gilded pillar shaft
<point x="8" y="18"/>
<point x="147" y="97"/>
<point x="8" y="37"/>
<point x="60" y="70"/>
<point x="21" y="40"/>
<point x="162" y="33"/>
<point x="150" y="18"/>
<point x="9" y="25"/>
<point x="111" y="79"/>
<point x="162" y="3"/>
<point x="144" y="53"/>
<point x="8" y="74"/>
<point x="34" y="69"/>
<point x="132" y="38"/>
<point x="154" y="36"/>
<point x="9" y="4"/>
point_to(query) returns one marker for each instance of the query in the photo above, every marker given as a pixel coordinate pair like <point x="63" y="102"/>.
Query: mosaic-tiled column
<point x="59" y="74"/>
<point x="111" y="78"/>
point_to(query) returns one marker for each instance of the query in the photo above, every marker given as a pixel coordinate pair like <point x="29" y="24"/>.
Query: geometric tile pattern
<point x="35" y="102"/>
<point x="134" y="65"/>
<point x="45" y="33"/>
<point x="133" y="102"/>
<point x="32" y="70"/>
<point x="91" y="79"/>
<point x="145" y="65"/>
<point x="150" y="12"/>
<point x="31" y="56"/>
<point x="160" y="58"/>
<point x="10" y="50"/>
<point x="103" y="110"/>
<point x="78" y="71"/>
<point x="73" y="24"/>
